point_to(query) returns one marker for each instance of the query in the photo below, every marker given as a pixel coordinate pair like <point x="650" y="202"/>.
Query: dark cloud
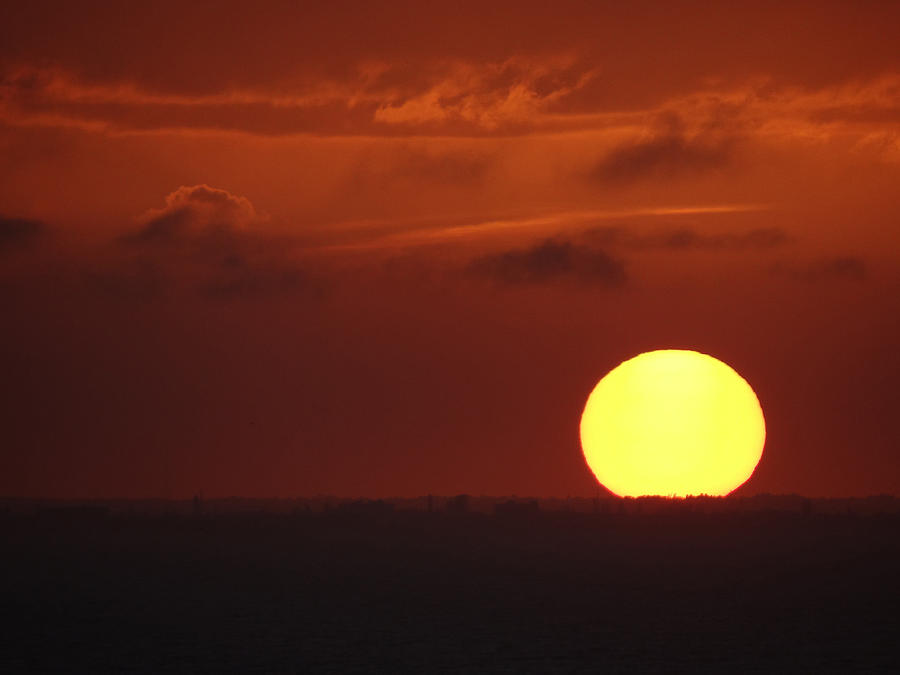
<point x="548" y="262"/>
<point x="839" y="268"/>
<point x="139" y="279"/>
<point x="15" y="232"/>
<point x="843" y="268"/>
<point x="664" y="156"/>
<point x="685" y="239"/>
<point x="669" y="152"/>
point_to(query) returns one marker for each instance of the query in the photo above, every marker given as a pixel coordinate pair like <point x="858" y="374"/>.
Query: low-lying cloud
<point x="663" y="156"/>
<point x="549" y="262"/>
<point x="670" y="150"/>
<point x="838" y="268"/>
<point x="687" y="239"/>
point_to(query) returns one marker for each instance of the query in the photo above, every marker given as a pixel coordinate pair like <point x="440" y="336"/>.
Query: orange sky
<point x="388" y="248"/>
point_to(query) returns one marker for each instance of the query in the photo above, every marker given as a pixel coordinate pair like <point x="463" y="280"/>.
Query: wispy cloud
<point x="489" y="95"/>
<point x="559" y="221"/>
<point x="514" y="96"/>
<point x="455" y="96"/>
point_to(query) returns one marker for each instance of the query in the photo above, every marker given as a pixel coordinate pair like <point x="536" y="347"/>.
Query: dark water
<point x="428" y="593"/>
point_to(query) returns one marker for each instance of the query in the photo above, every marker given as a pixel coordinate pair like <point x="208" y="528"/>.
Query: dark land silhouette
<point x="451" y="584"/>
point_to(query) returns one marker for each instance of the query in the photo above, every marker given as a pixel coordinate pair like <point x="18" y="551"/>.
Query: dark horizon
<point x="407" y="592"/>
<point x="476" y="502"/>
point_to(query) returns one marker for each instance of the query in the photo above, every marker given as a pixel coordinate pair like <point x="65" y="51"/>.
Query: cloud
<point x="487" y="96"/>
<point x="415" y="232"/>
<point x="838" y="268"/>
<point x="452" y="95"/>
<point x="209" y="239"/>
<point x="17" y="232"/>
<point x="195" y="213"/>
<point x="548" y="262"/>
<point x="562" y="91"/>
<point x="667" y="153"/>
<point x="686" y="239"/>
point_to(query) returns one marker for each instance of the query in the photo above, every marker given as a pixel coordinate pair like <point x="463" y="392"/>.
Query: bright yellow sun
<point x="672" y="422"/>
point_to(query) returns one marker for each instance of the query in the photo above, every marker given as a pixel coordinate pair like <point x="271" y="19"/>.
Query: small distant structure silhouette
<point x="197" y="506"/>
<point x="517" y="509"/>
<point x="458" y="504"/>
<point x="430" y="503"/>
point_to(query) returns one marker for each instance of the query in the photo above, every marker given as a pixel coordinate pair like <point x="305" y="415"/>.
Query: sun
<point x="672" y="422"/>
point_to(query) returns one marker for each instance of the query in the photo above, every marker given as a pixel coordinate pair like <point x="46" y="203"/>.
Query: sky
<point x="388" y="249"/>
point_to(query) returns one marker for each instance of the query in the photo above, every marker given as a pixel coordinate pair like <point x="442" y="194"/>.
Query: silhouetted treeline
<point x="455" y="504"/>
